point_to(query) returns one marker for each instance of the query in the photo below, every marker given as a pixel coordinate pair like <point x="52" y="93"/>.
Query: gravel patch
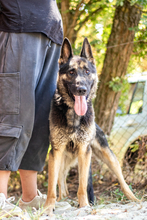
<point x="113" y="211"/>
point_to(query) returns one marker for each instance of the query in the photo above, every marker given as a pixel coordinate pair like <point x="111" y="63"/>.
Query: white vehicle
<point x="129" y="127"/>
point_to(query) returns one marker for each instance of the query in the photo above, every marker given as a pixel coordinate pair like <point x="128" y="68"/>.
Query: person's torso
<point x="32" y="16"/>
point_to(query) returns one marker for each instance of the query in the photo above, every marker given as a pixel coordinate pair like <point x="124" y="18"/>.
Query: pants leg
<point x="34" y="157"/>
<point x="22" y="60"/>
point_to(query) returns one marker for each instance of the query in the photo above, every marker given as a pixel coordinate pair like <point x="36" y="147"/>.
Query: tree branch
<point x="76" y="15"/>
<point x="87" y="17"/>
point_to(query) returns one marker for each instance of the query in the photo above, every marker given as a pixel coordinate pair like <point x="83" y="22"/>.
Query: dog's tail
<point x="102" y="151"/>
<point x="90" y="191"/>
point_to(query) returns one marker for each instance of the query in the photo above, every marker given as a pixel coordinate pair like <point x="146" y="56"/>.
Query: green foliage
<point x="124" y="96"/>
<point x="118" y="84"/>
<point x="144" y="19"/>
<point x="96" y="26"/>
<point x="134" y="147"/>
<point x="142" y="3"/>
<point x="120" y="2"/>
<point x="45" y="184"/>
<point x="120" y="195"/>
<point x="97" y="30"/>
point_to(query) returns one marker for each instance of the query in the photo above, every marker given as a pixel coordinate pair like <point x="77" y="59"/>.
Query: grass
<point x="31" y="214"/>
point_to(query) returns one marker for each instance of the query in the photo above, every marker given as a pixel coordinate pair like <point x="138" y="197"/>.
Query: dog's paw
<point x="49" y="208"/>
<point x="83" y="202"/>
<point x="48" y="211"/>
<point x="82" y="199"/>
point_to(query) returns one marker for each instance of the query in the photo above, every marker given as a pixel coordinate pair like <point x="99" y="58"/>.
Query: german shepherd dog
<point x="74" y="135"/>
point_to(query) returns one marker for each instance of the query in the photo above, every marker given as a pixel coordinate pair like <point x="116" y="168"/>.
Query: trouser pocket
<point x="9" y="136"/>
<point x="9" y="93"/>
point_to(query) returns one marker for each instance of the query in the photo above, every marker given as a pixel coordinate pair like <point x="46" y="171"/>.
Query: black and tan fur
<point x="73" y="137"/>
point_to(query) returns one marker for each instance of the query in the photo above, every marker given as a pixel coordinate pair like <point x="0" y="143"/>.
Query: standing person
<point x="30" y="38"/>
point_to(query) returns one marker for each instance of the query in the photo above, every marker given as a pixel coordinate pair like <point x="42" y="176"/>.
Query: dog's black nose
<point x="82" y="90"/>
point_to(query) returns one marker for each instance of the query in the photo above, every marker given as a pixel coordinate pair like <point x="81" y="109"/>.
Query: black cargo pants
<point x="28" y="72"/>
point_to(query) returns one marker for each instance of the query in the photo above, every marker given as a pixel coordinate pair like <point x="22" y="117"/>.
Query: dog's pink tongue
<point x="80" y="105"/>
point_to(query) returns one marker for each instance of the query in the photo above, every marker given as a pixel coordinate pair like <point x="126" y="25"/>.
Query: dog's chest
<point x="74" y="141"/>
<point x="73" y="130"/>
<point x="73" y="120"/>
<point x="77" y="134"/>
<point x="70" y="131"/>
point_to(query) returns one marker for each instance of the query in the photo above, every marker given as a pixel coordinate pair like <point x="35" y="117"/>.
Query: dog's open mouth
<point x="80" y="106"/>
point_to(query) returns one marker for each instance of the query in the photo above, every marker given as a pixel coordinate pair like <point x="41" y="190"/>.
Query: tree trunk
<point x="115" y="63"/>
<point x="69" y="21"/>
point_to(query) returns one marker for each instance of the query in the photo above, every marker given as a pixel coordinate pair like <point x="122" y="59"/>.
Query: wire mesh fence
<point x="128" y="138"/>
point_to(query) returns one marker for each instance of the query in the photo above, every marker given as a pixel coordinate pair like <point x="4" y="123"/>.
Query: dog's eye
<point x="71" y="72"/>
<point x="87" y="72"/>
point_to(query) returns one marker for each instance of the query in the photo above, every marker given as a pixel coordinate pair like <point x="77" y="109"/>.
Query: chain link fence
<point x="128" y="138"/>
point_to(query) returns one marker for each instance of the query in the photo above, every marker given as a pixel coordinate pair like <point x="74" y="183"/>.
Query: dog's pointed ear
<point x="66" y="51"/>
<point x="86" y="51"/>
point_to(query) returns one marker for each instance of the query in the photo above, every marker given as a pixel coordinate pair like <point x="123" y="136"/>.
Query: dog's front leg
<point x="84" y="158"/>
<point x="63" y="190"/>
<point x="53" y="170"/>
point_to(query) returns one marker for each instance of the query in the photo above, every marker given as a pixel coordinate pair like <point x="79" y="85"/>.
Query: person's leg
<point x="4" y="177"/>
<point x="35" y="154"/>
<point x="29" y="184"/>
<point x="5" y="205"/>
<point x="21" y="60"/>
<point x="34" y="157"/>
<point x="34" y="76"/>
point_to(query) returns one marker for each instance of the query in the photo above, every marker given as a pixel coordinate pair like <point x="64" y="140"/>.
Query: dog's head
<point x="77" y="79"/>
